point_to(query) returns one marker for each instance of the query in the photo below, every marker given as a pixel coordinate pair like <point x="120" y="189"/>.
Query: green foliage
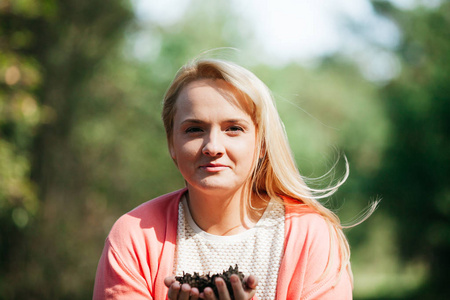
<point x="81" y="141"/>
<point x="20" y="116"/>
<point x="46" y="50"/>
<point x="98" y="148"/>
<point x="338" y="106"/>
<point x="415" y="173"/>
<point x="20" y="113"/>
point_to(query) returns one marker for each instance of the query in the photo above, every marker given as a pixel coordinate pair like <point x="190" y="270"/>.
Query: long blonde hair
<point x="275" y="172"/>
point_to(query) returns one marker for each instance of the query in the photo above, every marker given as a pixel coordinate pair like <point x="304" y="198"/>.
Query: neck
<point x="222" y="213"/>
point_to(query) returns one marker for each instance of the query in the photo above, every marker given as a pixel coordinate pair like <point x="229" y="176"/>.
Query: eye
<point x="235" y="129"/>
<point x="193" y="130"/>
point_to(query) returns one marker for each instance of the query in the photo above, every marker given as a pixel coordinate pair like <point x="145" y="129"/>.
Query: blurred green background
<point x="81" y="141"/>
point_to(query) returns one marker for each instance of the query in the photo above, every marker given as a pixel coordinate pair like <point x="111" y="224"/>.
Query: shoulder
<point x="312" y="255"/>
<point x="305" y="226"/>
<point x="150" y="218"/>
<point x="304" y="216"/>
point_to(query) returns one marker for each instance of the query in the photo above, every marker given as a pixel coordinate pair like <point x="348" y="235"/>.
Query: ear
<point x="172" y="153"/>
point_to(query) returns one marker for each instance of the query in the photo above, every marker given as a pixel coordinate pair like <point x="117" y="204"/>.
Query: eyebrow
<point x="197" y="121"/>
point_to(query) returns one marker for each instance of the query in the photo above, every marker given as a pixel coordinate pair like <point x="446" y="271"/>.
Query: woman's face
<point x="214" y="141"/>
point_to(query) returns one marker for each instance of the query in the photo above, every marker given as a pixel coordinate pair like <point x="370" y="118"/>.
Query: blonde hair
<point x="275" y="172"/>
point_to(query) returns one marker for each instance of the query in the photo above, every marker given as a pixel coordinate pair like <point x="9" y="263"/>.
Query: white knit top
<point x="257" y="251"/>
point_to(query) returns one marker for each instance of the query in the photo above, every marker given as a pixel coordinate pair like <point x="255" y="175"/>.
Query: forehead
<point x="211" y="92"/>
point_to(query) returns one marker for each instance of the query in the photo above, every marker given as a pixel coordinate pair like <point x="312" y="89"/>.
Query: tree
<point x="416" y="165"/>
<point x="49" y="52"/>
<point x="20" y="116"/>
<point x="98" y="147"/>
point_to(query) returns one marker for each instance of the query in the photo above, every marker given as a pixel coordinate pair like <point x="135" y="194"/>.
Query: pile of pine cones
<point x="203" y="281"/>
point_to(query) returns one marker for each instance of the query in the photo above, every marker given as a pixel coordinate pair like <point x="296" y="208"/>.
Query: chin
<point x="213" y="186"/>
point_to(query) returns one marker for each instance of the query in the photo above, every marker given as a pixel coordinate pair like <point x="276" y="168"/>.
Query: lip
<point x="213" y="167"/>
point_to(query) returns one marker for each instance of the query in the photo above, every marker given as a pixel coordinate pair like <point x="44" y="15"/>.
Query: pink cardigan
<point x="140" y="248"/>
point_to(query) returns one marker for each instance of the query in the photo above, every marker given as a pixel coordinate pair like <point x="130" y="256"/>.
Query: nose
<point x="213" y="145"/>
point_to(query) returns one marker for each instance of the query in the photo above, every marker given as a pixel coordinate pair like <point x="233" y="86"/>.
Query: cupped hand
<point x="241" y="291"/>
<point x="179" y="291"/>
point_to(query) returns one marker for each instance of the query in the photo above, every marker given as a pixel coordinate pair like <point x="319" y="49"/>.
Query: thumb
<point x="251" y="282"/>
<point x="169" y="280"/>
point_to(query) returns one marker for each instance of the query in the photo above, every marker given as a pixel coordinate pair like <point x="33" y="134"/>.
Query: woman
<point x="245" y="203"/>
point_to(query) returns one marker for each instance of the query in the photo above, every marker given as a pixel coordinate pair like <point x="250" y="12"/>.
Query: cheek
<point x="246" y="152"/>
<point x="185" y="150"/>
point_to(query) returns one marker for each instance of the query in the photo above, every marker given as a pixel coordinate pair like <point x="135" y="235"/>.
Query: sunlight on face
<point x="214" y="141"/>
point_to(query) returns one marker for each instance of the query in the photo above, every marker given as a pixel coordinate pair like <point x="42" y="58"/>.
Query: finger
<point x="208" y="294"/>
<point x="169" y="280"/>
<point x="250" y="282"/>
<point x="222" y="289"/>
<point x="238" y="290"/>
<point x="194" y="294"/>
<point x="184" y="292"/>
<point x="174" y="290"/>
<point x="236" y="284"/>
